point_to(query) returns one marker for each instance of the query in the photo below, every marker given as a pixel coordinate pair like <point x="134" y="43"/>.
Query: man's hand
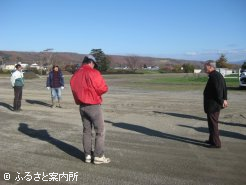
<point x="62" y="87"/>
<point x="48" y="88"/>
<point x="225" y="104"/>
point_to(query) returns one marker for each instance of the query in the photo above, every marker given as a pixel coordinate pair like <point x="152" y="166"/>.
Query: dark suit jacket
<point x="214" y="93"/>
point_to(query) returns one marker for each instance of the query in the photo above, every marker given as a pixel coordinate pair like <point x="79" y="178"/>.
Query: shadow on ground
<point x="38" y="103"/>
<point x="222" y="132"/>
<point x="151" y="132"/>
<point x="197" y="118"/>
<point x="6" y="106"/>
<point x="236" y="88"/>
<point x="43" y="135"/>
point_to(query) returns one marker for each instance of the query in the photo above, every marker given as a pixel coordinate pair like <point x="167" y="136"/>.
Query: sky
<point x="181" y="29"/>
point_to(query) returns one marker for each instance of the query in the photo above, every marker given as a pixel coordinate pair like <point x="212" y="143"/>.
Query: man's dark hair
<point x="90" y="59"/>
<point x="86" y="60"/>
<point x="17" y="66"/>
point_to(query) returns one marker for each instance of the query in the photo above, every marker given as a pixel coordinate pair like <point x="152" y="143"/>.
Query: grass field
<point x="160" y="81"/>
<point x="169" y="82"/>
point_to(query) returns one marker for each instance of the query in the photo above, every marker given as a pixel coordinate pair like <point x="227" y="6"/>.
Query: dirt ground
<point x="152" y="137"/>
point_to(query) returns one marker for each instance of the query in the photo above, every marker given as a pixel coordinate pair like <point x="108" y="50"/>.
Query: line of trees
<point x="131" y="62"/>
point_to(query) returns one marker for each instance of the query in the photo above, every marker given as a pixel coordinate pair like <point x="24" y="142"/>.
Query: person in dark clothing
<point x="17" y="82"/>
<point x="215" y="99"/>
<point x="55" y="82"/>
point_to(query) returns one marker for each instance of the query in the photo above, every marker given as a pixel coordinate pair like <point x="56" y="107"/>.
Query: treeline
<point x="110" y="64"/>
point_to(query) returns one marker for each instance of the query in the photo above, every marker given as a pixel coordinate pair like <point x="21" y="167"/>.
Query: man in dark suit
<point x="215" y="99"/>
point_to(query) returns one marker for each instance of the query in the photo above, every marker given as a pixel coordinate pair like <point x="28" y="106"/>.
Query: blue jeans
<point x="56" y="93"/>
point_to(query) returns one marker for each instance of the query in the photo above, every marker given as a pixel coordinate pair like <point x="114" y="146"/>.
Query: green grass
<point x="162" y="82"/>
<point x="5" y="75"/>
<point x="178" y="80"/>
<point x="189" y="80"/>
<point x="167" y="82"/>
<point x="232" y="82"/>
<point x="192" y="80"/>
<point x="232" y="75"/>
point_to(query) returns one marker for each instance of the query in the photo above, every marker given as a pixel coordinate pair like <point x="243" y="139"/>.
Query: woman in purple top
<point x="55" y="82"/>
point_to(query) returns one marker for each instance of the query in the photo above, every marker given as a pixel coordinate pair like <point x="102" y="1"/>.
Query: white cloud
<point x="213" y="54"/>
<point x="191" y="53"/>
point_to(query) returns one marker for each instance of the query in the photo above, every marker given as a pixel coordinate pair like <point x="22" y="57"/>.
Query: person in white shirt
<point x="17" y="82"/>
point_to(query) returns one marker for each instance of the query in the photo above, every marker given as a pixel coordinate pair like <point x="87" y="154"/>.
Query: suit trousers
<point x="213" y="122"/>
<point x="92" y="117"/>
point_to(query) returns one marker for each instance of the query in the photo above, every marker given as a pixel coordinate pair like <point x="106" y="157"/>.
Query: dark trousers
<point x="18" y="97"/>
<point x="213" y="122"/>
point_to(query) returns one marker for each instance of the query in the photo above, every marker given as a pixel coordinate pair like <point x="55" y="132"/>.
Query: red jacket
<point x="88" y="85"/>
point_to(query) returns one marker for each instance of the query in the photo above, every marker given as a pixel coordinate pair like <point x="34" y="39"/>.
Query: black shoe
<point x="208" y="142"/>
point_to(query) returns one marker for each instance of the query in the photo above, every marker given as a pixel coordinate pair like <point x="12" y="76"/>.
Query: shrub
<point x="30" y="75"/>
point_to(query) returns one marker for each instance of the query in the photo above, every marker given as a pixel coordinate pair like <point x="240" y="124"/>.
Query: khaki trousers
<point x="92" y="117"/>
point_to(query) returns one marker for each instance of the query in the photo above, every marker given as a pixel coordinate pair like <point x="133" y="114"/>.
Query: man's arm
<point x="219" y="85"/>
<point x="99" y="84"/>
<point x="12" y="79"/>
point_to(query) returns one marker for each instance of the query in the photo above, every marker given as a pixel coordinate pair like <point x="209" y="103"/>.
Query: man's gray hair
<point x="211" y="63"/>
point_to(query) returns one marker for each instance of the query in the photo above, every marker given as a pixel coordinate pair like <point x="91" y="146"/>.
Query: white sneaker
<point x="101" y="160"/>
<point x="88" y="159"/>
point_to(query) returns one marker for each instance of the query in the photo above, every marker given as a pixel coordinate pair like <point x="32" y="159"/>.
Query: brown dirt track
<point x="153" y="136"/>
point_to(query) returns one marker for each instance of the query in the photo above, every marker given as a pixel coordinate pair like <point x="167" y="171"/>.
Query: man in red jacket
<point x="88" y="86"/>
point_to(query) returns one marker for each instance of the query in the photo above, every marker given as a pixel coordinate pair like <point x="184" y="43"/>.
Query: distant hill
<point x="41" y="57"/>
<point x="63" y="58"/>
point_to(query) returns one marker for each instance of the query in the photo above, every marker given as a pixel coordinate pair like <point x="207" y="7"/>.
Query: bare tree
<point x="47" y="57"/>
<point x="132" y="62"/>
